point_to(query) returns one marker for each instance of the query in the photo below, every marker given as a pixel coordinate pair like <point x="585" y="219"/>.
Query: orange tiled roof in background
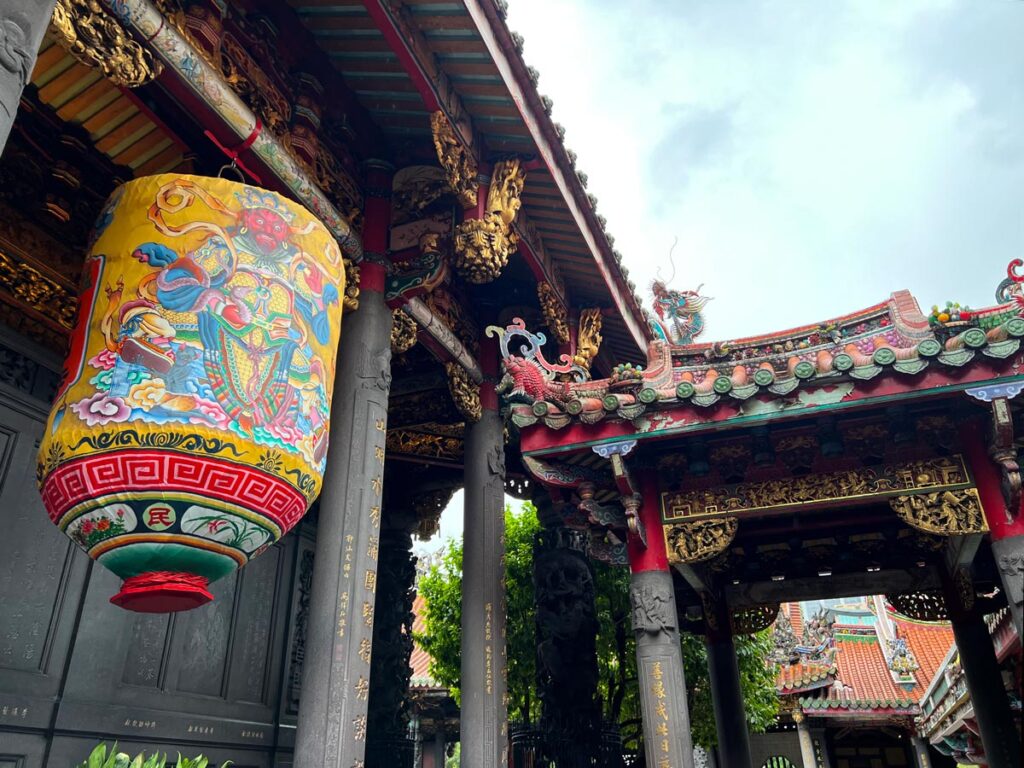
<point x="863" y="682"/>
<point x="419" y="661"/>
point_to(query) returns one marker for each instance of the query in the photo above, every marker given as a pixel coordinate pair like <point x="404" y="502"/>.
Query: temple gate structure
<point x="873" y="454"/>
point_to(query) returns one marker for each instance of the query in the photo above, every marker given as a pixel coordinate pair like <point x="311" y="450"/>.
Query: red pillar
<point x="1006" y="526"/>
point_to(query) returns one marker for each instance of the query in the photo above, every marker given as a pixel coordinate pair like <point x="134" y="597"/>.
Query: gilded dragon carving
<point x="588" y="338"/>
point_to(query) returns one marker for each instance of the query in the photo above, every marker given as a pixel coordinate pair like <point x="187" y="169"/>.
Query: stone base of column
<point x="1009" y="557"/>
<point x="659" y="666"/>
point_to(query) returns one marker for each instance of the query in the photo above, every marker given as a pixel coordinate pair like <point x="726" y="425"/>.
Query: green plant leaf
<point x="97" y="757"/>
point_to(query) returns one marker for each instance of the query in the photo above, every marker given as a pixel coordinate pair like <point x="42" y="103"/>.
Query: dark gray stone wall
<point x="75" y="669"/>
<point x="22" y="26"/>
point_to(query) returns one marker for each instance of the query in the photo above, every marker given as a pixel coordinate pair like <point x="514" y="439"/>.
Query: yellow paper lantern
<point x="190" y="432"/>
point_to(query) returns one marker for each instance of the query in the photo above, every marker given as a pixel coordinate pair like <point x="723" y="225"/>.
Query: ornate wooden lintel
<point x="864" y="483"/>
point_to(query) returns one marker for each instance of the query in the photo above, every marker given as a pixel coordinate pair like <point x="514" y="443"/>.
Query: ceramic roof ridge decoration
<point x="190" y="431"/>
<point x="890" y="339"/>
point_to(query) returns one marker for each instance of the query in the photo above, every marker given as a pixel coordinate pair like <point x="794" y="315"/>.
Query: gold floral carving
<point x="701" y="540"/>
<point x="588" y="338"/>
<point x="403" y="332"/>
<point x="949" y="513"/>
<point x="946" y="473"/>
<point x="350" y="301"/>
<point x="459" y="165"/>
<point x="94" y="37"/>
<point x="34" y="290"/>
<point x="464" y="392"/>
<point x="483" y="246"/>
<point x="554" y="313"/>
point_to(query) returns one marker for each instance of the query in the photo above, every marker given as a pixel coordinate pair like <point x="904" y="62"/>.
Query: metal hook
<point x="232" y="166"/>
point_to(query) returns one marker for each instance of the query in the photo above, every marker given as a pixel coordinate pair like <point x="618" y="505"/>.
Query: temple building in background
<point x="209" y="502"/>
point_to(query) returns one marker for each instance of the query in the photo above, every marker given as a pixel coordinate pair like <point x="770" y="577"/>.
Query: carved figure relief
<point x="699" y="541"/>
<point x="950" y="513"/>
<point x="654" y="610"/>
<point x="566" y="635"/>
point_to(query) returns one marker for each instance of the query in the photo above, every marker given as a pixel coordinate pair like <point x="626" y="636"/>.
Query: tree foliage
<point x="441" y="587"/>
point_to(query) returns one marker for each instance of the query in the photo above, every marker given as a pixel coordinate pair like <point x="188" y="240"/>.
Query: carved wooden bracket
<point x="95" y="38"/>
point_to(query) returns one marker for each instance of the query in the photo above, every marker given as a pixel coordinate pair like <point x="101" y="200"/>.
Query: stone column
<point x="726" y="693"/>
<point x="981" y="670"/>
<point x="335" y="686"/>
<point x="22" y="26"/>
<point x="387" y="715"/>
<point x="484" y="719"/>
<point x="1006" y="525"/>
<point x="566" y="630"/>
<point x="659" y="658"/>
<point x="803" y="734"/>
<point x="921" y="756"/>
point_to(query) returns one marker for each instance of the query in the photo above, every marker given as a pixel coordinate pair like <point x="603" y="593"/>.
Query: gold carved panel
<point x="947" y="473"/>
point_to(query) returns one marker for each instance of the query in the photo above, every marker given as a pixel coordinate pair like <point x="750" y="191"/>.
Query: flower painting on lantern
<point x="195" y="406"/>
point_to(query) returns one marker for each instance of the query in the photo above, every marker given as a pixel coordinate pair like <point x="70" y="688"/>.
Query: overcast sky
<point x="811" y="157"/>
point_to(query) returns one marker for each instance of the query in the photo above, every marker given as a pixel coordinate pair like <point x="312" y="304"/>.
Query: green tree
<point x="441" y="587"/>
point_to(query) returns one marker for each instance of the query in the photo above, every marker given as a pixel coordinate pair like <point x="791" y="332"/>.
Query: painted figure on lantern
<point x="191" y="430"/>
<point x="220" y="333"/>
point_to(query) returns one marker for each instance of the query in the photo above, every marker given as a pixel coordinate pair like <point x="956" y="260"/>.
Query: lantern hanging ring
<point x="232" y="167"/>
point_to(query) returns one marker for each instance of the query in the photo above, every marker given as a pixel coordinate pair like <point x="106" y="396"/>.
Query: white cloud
<point x="811" y="157"/>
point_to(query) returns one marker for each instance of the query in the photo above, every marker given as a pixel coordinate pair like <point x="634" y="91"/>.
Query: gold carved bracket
<point x="483" y="246"/>
<point x="555" y="316"/>
<point x="403" y="332"/>
<point x="696" y="542"/>
<point x="947" y="513"/>
<point x="459" y="165"/>
<point x="464" y="392"/>
<point x="95" y="38"/>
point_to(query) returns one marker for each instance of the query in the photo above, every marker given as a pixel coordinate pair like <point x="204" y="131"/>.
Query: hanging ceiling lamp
<point x="190" y="431"/>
